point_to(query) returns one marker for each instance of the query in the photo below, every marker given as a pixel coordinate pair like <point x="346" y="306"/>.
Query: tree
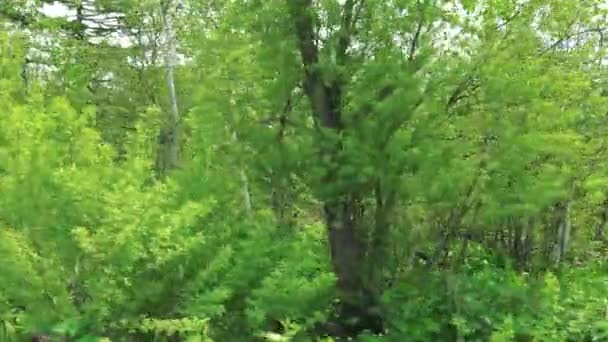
<point x="416" y="170"/>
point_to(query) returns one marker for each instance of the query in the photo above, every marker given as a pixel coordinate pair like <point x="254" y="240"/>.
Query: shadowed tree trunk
<point x="340" y="207"/>
<point x="600" y="229"/>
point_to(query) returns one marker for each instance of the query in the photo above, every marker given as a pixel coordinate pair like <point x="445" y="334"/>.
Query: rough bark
<point x="347" y="249"/>
<point x="347" y="245"/>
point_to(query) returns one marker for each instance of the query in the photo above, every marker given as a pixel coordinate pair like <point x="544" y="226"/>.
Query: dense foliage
<point x="303" y="170"/>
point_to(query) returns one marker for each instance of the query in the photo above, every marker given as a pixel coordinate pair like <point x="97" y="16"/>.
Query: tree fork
<point x="347" y="246"/>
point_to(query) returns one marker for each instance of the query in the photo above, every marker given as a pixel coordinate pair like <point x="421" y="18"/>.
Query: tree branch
<point x="598" y="30"/>
<point x="348" y="19"/>
<point x="509" y="19"/>
<point x="416" y="37"/>
<point x="459" y="92"/>
<point x="299" y="10"/>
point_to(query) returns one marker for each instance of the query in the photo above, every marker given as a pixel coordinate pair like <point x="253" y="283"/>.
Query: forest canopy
<point x="303" y="170"/>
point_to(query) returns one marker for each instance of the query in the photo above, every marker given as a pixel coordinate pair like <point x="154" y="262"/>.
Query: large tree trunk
<point x="347" y="244"/>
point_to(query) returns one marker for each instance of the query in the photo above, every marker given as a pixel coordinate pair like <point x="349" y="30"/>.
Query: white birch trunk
<point x="173" y="137"/>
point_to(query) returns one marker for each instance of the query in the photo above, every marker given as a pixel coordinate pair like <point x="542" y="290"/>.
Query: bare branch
<point x="509" y="20"/>
<point x="415" y="40"/>
<point x="460" y="91"/>
<point x="598" y="30"/>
